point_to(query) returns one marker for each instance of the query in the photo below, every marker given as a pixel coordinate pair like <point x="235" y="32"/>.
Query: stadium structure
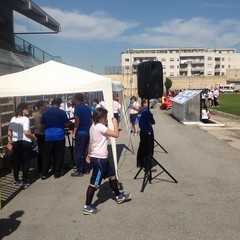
<point x="16" y="54"/>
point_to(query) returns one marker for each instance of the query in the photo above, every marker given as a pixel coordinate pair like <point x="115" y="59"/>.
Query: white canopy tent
<point x="57" y="78"/>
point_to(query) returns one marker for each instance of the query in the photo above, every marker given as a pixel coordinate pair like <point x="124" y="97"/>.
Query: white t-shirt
<point x="98" y="141"/>
<point x="216" y="93"/>
<point x="205" y="114"/>
<point x="116" y="106"/>
<point x="18" y="125"/>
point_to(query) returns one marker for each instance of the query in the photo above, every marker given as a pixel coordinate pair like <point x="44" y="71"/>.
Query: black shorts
<point x="102" y="169"/>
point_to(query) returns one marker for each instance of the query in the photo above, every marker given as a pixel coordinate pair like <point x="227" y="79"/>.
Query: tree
<point x="168" y="84"/>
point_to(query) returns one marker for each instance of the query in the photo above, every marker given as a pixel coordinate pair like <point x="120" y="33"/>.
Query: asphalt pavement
<point x="204" y="204"/>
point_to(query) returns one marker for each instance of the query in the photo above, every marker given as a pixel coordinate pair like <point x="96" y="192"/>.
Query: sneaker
<point x="90" y="210"/>
<point x="26" y="185"/>
<point x="77" y="174"/>
<point x="17" y="182"/>
<point x="123" y="198"/>
<point x="43" y="177"/>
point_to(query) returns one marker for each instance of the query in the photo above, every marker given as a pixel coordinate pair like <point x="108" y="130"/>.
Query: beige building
<point x="184" y="61"/>
<point x="188" y="68"/>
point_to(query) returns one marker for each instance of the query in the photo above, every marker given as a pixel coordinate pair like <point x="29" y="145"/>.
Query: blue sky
<point x="95" y="32"/>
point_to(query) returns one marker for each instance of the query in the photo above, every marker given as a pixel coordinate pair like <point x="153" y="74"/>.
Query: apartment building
<point x="183" y="61"/>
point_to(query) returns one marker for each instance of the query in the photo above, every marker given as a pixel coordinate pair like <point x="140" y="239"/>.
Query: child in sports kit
<point x="98" y="158"/>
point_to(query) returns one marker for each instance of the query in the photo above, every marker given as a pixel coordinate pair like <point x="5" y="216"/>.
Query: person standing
<point x="83" y="120"/>
<point x="20" y="142"/>
<point x="210" y="98"/>
<point x="134" y="108"/>
<point x="146" y="144"/>
<point x="98" y="157"/>
<point x="215" y="97"/>
<point x="39" y="131"/>
<point x="54" y="121"/>
<point x="116" y="109"/>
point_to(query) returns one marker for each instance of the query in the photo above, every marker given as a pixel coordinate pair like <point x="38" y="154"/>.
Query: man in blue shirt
<point x="83" y="121"/>
<point x="54" y="120"/>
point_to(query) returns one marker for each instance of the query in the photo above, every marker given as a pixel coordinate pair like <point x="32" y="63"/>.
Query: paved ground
<point x="204" y="204"/>
<point x="229" y="132"/>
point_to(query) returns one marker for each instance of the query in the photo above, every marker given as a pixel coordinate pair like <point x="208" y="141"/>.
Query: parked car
<point x="227" y="88"/>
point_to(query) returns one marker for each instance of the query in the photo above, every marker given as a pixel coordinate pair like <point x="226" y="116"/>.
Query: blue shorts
<point x="102" y="169"/>
<point x="133" y="117"/>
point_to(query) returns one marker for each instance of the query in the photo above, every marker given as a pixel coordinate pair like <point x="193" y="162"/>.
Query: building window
<point x="209" y="73"/>
<point x="223" y="66"/>
<point x="127" y="60"/>
<point x="163" y="59"/>
<point x="209" y="58"/>
<point x="209" y="65"/>
<point x="171" y="66"/>
<point x="171" y="74"/>
<point x="223" y="59"/>
<point x="171" y="59"/>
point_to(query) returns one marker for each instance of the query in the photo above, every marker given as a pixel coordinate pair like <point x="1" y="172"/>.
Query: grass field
<point x="230" y="103"/>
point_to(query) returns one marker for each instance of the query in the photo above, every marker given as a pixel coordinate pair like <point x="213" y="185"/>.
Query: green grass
<point x="230" y="103"/>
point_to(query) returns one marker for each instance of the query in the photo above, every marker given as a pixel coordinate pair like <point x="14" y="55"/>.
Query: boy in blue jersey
<point x="83" y="121"/>
<point x="54" y="120"/>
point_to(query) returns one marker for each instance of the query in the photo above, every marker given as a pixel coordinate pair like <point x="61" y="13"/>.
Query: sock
<point x="114" y="187"/>
<point x="89" y="195"/>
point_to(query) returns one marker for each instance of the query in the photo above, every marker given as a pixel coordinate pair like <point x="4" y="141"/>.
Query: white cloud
<point x="98" y="26"/>
<point x="79" y="26"/>
<point x="196" y="32"/>
<point x="95" y="26"/>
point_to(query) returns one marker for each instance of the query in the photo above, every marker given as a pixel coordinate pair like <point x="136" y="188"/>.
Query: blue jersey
<point x="55" y="121"/>
<point x="146" y="120"/>
<point x="83" y="113"/>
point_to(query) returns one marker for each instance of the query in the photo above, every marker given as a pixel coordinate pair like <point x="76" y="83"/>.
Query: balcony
<point x="197" y="69"/>
<point x="183" y="69"/>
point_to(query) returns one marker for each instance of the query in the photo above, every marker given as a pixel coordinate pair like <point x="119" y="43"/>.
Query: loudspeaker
<point x="150" y="79"/>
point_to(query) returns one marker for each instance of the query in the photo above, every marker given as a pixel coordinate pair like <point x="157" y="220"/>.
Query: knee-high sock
<point x="114" y="187"/>
<point x="90" y="194"/>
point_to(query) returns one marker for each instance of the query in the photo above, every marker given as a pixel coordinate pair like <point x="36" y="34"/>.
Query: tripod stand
<point x="148" y="160"/>
<point x="158" y="144"/>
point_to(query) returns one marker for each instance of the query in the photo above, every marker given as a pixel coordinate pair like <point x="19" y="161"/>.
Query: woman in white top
<point x="116" y="109"/>
<point x="134" y="109"/>
<point x="20" y="141"/>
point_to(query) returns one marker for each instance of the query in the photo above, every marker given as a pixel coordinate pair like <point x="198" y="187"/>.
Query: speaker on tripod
<point x="150" y="79"/>
<point x="150" y="85"/>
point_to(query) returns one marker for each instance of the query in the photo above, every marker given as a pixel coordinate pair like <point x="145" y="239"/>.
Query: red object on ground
<point x="166" y="103"/>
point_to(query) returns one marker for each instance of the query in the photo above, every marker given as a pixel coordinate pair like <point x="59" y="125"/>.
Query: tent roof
<point x="52" y="78"/>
